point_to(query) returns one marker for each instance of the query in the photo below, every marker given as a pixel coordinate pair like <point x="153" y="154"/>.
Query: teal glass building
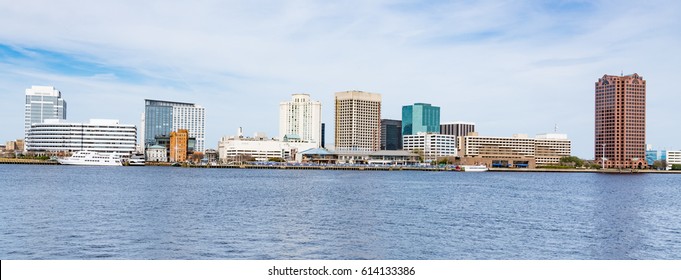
<point x="420" y="117"/>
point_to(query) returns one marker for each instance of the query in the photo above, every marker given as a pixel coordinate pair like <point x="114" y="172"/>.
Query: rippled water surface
<point x="68" y="212"/>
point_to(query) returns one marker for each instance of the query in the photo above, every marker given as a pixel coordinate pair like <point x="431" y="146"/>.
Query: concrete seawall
<point x="374" y="168"/>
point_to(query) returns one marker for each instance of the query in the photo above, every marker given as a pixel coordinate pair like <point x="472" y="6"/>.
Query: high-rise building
<point x="163" y="117"/>
<point x="42" y="103"/>
<point x="301" y="117"/>
<point x="420" y="117"/>
<point x="178" y="145"/>
<point x="620" y="140"/>
<point x="358" y="121"/>
<point x="391" y="134"/>
<point x="458" y="129"/>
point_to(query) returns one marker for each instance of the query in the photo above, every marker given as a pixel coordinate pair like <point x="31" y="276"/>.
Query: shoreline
<point x="377" y="168"/>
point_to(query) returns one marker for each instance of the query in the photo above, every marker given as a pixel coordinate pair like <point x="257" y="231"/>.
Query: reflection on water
<point x="66" y="212"/>
<point x="618" y="208"/>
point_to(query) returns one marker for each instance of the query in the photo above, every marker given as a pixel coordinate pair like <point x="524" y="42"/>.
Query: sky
<point x="508" y="66"/>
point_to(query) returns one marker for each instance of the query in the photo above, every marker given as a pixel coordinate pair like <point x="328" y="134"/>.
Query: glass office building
<point x="43" y="103"/>
<point x="391" y="134"/>
<point x="420" y="117"/>
<point x="163" y="117"/>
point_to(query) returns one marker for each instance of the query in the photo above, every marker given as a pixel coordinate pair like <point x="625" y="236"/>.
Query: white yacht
<point x="136" y="160"/>
<point x="91" y="158"/>
<point x="474" y="168"/>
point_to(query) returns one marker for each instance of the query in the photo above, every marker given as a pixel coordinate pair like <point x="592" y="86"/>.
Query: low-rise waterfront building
<point x="235" y="148"/>
<point x="211" y="155"/>
<point x="157" y="153"/>
<point x="549" y="148"/>
<point x="672" y="158"/>
<point x="98" y="135"/>
<point x="16" y="145"/>
<point x="431" y="145"/>
<point x="518" y="151"/>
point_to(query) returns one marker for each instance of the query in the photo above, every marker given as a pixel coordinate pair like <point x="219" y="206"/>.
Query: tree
<point x="571" y="161"/>
<point x="660" y="164"/>
<point x="676" y="166"/>
<point x="420" y="153"/>
<point x="276" y="159"/>
<point x="196" y="157"/>
<point x="446" y="160"/>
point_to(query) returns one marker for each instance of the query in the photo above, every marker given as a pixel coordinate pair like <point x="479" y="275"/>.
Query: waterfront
<point x="69" y="212"/>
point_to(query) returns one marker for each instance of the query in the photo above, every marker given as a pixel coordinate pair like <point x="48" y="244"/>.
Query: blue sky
<point x="509" y="66"/>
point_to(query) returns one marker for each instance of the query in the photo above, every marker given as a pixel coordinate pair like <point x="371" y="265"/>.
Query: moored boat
<point x="136" y="160"/>
<point x="91" y="158"/>
<point x="474" y="168"/>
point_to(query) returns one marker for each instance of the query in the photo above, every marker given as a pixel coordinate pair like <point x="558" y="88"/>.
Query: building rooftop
<point x="316" y="151"/>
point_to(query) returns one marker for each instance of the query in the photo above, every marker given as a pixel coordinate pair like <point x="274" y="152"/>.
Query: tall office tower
<point x="420" y="117"/>
<point x="358" y="121"/>
<point x="42" y="103"/>
<point x="301" y="118"/>
<point x="391" y="134"/>
<point x="620" y="140"/>
<point x="163" y="117"/>
<point x="457" y="129"/>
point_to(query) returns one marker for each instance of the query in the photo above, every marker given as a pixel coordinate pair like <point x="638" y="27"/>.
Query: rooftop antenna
<point x="555" y="128"/>
<point x="622" y="73"/>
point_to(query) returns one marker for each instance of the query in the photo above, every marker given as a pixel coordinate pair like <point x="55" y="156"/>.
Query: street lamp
<point x="603" y="156"/>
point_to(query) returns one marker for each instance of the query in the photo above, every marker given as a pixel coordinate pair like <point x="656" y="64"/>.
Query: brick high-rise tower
<point x="621" y="121"/>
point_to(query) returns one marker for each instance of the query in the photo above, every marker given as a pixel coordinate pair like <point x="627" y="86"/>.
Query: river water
<point x="69" y="212"/>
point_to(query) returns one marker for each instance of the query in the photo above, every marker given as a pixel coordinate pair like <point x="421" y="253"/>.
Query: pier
<point x="26" y="161"/>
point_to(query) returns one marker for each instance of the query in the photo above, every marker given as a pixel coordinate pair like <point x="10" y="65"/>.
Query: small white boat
<point x="92" y="158"/>
<point x="474" y="168"/>
<point x="136" y="160"/>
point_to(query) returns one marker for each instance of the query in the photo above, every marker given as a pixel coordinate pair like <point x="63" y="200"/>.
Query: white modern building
<point x="358" y="121"/>
<point x="673" y="157"/>
<point x="301" y="118"/>
<point x="235" y="148"/>
<point x="157" y="153"/>
<point x="163" y="117"/>
<point x="432" y="145"/>
<point x="42" y="103"/>
<point x="99" y="135"/>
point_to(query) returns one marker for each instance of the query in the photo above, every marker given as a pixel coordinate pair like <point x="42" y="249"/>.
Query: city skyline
<point x="517" y="67"/>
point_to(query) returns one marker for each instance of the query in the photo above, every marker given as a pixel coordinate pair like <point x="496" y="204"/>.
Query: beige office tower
<point x="358" y="121"/>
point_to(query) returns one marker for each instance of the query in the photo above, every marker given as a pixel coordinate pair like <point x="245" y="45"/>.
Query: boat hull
<point x="71" y="162"/>
<point x="474" y="168"/>
<point x="91" y="158"/>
